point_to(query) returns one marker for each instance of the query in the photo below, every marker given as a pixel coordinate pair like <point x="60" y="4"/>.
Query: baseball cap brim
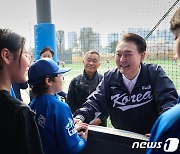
<point x="43" y="68"/>
<point x="63" y="70"/>
<point x="35" y="81"/>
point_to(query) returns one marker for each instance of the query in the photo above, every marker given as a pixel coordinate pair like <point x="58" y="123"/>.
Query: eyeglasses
<point x="59" y="75"/>
<point x="54" y="75"/>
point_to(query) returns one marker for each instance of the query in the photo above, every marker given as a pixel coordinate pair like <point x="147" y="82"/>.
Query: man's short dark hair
<point x="138" y="40"/>
<point x="47" y="49"/>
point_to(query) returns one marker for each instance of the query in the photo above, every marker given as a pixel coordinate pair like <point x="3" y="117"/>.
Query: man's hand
<point x="77" y="121"/>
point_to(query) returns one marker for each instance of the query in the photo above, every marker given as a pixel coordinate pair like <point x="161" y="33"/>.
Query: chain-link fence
<point x="149" y="19"/>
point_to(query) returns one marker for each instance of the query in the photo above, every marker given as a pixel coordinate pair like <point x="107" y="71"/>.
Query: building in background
<point x="143" y="32"/>
<point x="96" y="45"/>
<point x="113" y="39"/>
<point x="165" y="35"/>
<point x="72" y="41"/>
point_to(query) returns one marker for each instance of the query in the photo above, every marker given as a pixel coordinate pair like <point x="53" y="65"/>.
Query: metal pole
<point x="44" y="30"/>
<point x="43" y="10"/>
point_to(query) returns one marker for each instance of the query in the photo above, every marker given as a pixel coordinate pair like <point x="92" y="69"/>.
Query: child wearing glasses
<point x="54" y="118"/>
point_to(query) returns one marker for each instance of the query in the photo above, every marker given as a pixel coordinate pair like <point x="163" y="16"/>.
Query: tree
<point x="86" y="39"/>
<point x="112" y="46"/>
<point x="60" y="41"/>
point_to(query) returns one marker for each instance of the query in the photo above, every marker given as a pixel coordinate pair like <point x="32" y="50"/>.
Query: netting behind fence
<point x="135" y="16"/>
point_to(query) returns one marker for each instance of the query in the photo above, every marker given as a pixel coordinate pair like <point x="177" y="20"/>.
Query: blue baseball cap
<point x="42" y="68"/>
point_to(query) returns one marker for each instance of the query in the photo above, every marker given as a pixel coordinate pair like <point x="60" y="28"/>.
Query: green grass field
<point x="172" y="70"/>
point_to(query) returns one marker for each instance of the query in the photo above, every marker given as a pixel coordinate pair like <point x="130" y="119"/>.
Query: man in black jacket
<point x="84" y="84"/>
<point x="134" y="94"/>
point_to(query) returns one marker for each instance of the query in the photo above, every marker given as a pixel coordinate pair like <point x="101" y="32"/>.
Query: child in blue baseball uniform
<point x="54" y="118"/>
<point x="166" y="129"/>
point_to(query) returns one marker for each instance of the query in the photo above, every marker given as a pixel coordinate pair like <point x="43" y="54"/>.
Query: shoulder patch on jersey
<point x="70" y="127"/>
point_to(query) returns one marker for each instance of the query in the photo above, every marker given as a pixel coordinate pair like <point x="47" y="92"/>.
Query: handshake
<point x="81" y="128"/>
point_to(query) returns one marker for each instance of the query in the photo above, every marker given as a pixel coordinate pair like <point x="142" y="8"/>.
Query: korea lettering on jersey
<point x="124" y="101"/>
<point x="70" y="127"/>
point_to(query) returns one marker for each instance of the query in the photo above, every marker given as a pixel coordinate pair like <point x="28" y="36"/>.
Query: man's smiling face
<point x="128" y="59"/>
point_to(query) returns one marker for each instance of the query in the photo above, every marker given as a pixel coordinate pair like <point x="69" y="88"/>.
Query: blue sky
<point x="105" y="16"/>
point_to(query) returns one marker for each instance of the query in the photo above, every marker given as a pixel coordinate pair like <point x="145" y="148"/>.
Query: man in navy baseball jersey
<point x="134" y="94"/>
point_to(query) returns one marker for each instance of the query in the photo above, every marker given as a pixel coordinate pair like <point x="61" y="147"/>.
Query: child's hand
<point x="82" y="129"/>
